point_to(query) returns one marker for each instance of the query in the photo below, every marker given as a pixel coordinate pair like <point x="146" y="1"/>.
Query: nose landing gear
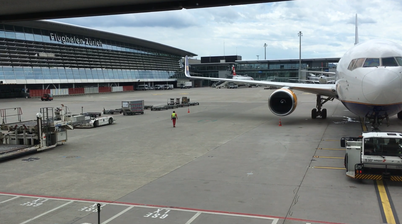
<point x="319" y="111"/>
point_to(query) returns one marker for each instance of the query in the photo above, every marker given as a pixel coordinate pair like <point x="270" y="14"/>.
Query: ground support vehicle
<point x="142" y="87"/>
<point x="131" y="107"/>
<point x="168" y="86"/>
<point x="185" y="101"/>
<point x="374" y="156"/>
<point x="219" y="84"/>
<point x="23" y="137"/>
<point x="186" y="85"/>
<point x="159" y="87"/>
<point x="159" y="107"/>
<point x="84" y="119"/>
<point x="232" y="86"/>
<point x="47" y="97"/>
<point x="93" y="120"/>
<point x="174" y="102"/>
<point x="146" y="107"/>
<point x="112" y="111"/>
<point x="171" y="106"/>
<point x="194" y="103"/>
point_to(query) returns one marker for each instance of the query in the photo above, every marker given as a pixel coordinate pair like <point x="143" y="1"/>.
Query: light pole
<point x="265" y="51"/>
<point x="300" y="34"/>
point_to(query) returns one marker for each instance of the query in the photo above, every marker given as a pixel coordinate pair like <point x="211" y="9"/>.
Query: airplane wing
<point x="319" y="89"/>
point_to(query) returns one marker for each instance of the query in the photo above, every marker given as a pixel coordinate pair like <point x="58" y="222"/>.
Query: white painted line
<point x="274" y="220"/>
<point x="47" y="212"/>
<point x="9" y="199"/>
<point x="117" y="215"/>
<point x="193" y="218"/>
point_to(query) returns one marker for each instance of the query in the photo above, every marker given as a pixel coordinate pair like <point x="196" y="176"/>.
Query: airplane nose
<point x="382" y="86"/>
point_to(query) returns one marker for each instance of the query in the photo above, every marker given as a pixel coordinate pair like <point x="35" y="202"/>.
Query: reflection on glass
<point x="372" y="62"/>
<point x="382" y="146"/>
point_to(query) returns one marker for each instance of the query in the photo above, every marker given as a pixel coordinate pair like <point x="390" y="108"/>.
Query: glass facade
<point x="31" y="56"/>
<point x="263" y="70"/>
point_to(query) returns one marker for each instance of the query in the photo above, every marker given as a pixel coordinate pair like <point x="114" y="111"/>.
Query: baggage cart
<point x="131" y="107"/>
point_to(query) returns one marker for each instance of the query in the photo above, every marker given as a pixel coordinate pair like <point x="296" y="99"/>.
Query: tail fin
<point x="186" y="67"/>
<point x="356" y="32"/>
<point x="233" y="70"/>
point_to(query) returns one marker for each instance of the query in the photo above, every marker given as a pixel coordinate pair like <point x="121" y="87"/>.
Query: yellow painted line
<point x="364" y="128"/>
<point x="330" y="149"/>
<point x="328" y="167"/>
<point x="331" y="140"/>
<point x="329" y="157"/>
<point x="386" y="206"/>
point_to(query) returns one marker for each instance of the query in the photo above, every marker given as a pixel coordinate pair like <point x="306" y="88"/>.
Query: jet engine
<point x="282" y="102"/>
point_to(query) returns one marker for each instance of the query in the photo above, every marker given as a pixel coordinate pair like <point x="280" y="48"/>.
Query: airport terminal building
<point x="279" y="70"/>
<point x="51" y="57"/>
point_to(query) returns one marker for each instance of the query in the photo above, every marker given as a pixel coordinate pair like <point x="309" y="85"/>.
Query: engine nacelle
<point x="282" y="102"/>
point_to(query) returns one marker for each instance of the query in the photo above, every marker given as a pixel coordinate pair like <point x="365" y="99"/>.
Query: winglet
<point x="186" y="67"/>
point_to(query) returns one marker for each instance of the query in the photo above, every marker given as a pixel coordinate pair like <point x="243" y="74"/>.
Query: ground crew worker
<point x="174" y="117"/>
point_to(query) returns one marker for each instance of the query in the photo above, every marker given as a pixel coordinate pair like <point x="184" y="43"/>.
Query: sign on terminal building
<point x="75" y="40"/>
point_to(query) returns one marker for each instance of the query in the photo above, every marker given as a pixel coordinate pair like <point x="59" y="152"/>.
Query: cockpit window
<point x="372" y="62"/>
<point x="389" y="61"/>
<point x="359" y="63"/>
<point x="351" y="64"/>
<point x="399" y="60"/>
<point x="356" y="63"/>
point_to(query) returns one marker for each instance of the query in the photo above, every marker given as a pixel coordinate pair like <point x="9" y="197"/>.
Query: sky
<point x="327" y="27"/>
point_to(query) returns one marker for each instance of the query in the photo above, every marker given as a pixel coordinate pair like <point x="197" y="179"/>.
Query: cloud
<point x="327" y="27"/>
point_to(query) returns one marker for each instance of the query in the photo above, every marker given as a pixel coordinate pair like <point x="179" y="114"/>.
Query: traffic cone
<point x="188" y="110"/>
<point x="280" y="123"/>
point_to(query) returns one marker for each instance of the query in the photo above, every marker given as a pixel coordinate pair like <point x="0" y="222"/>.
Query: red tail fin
<point x="233" y="70"/>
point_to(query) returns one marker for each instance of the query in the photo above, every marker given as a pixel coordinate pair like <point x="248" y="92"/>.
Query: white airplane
<point x="368" y="82"/>
<point x="324" y="78"/>
<point x="240" y="77"/>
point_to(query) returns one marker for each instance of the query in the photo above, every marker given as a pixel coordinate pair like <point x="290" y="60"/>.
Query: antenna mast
<point x="356" y="32"/>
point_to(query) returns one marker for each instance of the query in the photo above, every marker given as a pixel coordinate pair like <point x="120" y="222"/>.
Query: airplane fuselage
<point x="240" y="77"/>
<point x="369" y="79"/>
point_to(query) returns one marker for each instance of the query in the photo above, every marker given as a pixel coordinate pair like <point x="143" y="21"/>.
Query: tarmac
<point x="229" y="160"/>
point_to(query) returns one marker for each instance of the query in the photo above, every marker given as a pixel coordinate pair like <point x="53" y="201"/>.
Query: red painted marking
<point x="173" y="207"/>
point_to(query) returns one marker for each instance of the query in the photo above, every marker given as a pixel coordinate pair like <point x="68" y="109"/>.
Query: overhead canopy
<point x="13" y="10"/>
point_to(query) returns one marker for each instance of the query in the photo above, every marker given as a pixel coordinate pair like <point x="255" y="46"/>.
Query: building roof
<point x="50" y="9"/>
<point x="79" y="30"/>
<point x="329" y="60"/>
<point x="274" y="61"/>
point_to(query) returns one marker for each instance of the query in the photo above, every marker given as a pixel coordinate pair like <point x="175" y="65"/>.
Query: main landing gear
<point x="319" y="111"/>
<point x="376" y="121"/>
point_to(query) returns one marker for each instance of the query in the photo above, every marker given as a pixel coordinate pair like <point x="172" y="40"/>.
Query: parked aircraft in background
<point x="322" y="78"/>
<point x="240" y="77"/>
<point x="368" y="82"/>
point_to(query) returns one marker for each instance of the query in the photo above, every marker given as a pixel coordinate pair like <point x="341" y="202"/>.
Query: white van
<point x="142" y="87"/>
